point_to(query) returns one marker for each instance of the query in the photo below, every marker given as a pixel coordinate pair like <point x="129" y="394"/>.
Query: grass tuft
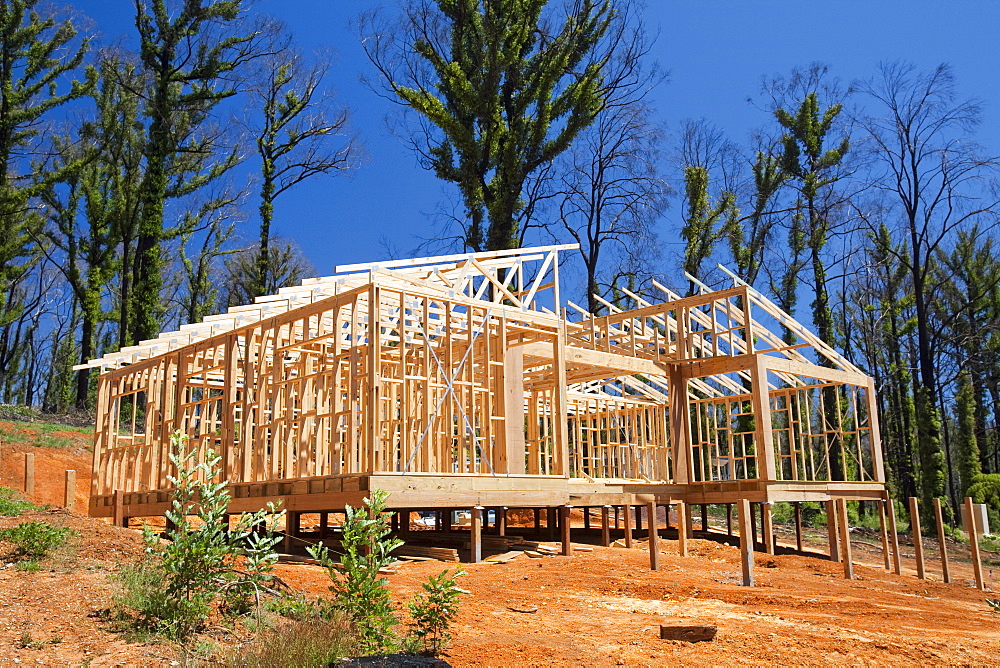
<point x="306" y="643"/>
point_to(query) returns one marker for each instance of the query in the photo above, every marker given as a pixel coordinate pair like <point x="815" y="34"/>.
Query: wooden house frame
<point x="466" y="381"/>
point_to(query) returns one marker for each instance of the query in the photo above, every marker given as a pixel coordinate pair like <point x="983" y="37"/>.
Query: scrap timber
<point x="466" y="381"/>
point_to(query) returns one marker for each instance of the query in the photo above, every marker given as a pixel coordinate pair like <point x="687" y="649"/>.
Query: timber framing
<point x="466" y="381"/>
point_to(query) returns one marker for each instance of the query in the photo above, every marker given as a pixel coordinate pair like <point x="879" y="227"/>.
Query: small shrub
<point x="433" y="611"/>
<point x="28" y="566"/>
<point x="359" y="591"/>
<point x="34" y="539"/>
<point x="312" y="643"/>
<point x="10" y="505"/>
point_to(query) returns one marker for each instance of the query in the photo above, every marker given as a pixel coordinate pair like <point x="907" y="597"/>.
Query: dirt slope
<point x="598" y="608"/>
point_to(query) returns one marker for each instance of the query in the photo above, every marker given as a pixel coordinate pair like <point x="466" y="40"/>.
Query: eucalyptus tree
<point x="938" y="182"/>
<point x="191" y="54"/>
<point x="611" y="189"/>
<point x="498" y="89"/>
<point x="38" y="61"/>
<point x="302" y="133"/>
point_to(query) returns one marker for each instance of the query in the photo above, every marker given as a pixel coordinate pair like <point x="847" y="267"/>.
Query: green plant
<point x="10" y="505"/>
<point x="995" y="604"/>
<point x="297" y="606"/>
<point x="28" y="566"/>
<point x="434" y="610"/>
<point x="27" y="642"/>
<point x="35" y="539"/>
<point x="359" y="591"/>
<point x="203" y="564"/>
<point x="20" y="413"/>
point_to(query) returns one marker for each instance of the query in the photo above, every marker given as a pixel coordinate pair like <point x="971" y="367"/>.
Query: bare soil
<point x="598" y="608"/>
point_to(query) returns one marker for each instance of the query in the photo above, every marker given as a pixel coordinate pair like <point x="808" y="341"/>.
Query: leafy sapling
<point x="433" y="611"/>
<point x="359" y="591"/>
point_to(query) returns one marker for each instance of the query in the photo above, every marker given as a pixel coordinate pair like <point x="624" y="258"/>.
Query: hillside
<point x="597" y="608"/>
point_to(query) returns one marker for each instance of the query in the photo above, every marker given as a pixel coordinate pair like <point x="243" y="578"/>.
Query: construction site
<point x="468" y="383"/>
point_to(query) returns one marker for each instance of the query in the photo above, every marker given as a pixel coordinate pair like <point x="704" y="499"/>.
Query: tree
<point x="200" y="294"/>
<point x="813" y="167"/>
<point x="190" y="57"/>
<point x="288" y="266"/>
<point x="499" y="89"/>
<point x="936" y="180"/>
<point x="611" y="188"/>
<point x="965" y="418"/>
<point x="701" y="228"/>
<point x="302" y="135"/>
<point x="38" y="57"/>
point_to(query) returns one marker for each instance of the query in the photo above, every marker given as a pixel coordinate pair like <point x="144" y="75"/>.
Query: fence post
<point x="69" y="494"/>
<point x="29" y="473"/>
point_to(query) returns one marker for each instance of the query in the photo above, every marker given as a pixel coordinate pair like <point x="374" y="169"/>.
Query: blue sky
<point x="716" y="53"/>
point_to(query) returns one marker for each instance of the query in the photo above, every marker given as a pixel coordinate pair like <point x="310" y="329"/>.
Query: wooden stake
<point x="845" y="539"/>
<point x="729" y="519"/>
<point x="551" y="519"/>
<point x="29" y="473"/>
<point x="704" y="517"/>
<point x="586" y="518"/>
<point x="894" y="537"/>
<point x="564" y="525"/>
<point x="502" y="520"/>
<point x="970" y="529"/>
<point x="476" y="536"/>
<point x="69" y="493"/>
<point x="831" y="530"/>
<point x="746" y="542"/>
<point x="767" y="527"/>
<point x="119" y="508"/>
<point x="918" y="542"/>
<point x="324" y="524"/>
<point x="798" y="526"/>
<point x="682" y="529"/>
<point x="885" y="534"/>
<point x="654" y="538"/>
<point x="627" y="511"/>
<point x="939" y="518"/>
<point x="605" y="526"/>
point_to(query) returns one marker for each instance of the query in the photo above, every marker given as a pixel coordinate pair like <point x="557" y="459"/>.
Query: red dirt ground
<point x="599" y="608"/>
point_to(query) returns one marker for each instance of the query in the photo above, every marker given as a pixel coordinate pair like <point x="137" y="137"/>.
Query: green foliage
<point x="434" y="610"/>
<point x="297" y="606"/>
<point x="985" y="488"/>
<point x="36" y="540"/>
<point x="38" y="57"/>
<point x="189" y="56"/>
<point x="362" y="595"/>
<point x="203" y="564"/>
<point x="931" y="476"/>
<point x="968" y="448"/>
<point x="701" y="228"/>
<point x="507" y="89"/>
<point x="995" y="604"/>
<point x="10" y="505"/>
<point x="359" y="591"/>
<point x="17" y="413"/>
